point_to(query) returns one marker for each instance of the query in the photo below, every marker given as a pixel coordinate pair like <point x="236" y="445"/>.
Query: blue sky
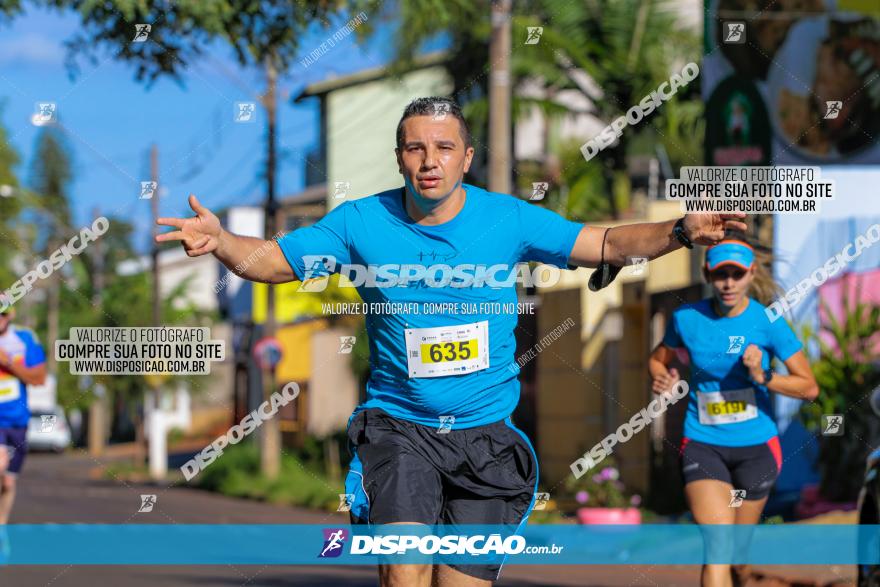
<point x="111" y="119"/>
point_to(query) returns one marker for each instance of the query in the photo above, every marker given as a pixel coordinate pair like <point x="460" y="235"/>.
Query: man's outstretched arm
<point x="649" y="239"/>
<point x="203" y="234"/>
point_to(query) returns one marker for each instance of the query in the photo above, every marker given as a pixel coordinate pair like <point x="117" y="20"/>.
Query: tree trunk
<point x="499" y="98"/>
<point x="97" y="425"/>
<point x="52" y="314"/>
<point x="270" y="453"/>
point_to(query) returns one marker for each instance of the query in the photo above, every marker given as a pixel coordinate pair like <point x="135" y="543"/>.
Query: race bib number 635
<point x="438" y="352"/>
<point x="447" y="350"/>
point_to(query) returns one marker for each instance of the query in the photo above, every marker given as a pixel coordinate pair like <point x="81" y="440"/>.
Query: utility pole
<point x="98" y="407"/>
<point x="499" y="99"/>
<point x="151" y="393"/>
<point x="270" y="451"/>
<point x="53" y="309"/>
<point x="98" y="264"/>
<point x="53" y="297"/>
<point x="154" y="253"/>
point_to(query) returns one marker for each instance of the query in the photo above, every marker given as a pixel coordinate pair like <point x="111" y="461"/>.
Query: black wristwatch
<point x="768" y="375"/>
<point x="678" y="233"/>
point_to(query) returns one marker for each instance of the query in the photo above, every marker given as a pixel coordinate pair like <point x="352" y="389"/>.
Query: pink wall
<point x="833" y="292"/>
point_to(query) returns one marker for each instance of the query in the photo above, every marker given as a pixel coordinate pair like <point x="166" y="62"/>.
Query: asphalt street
<point x="65" y="489"/>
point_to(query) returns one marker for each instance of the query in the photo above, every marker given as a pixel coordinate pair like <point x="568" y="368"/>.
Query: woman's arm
<point x="663" y="377"/>
<point x="799" y="383"/>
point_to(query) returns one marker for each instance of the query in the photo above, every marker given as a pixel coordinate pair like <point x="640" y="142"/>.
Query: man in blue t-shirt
<point x="22" y="363"/>
<point x="436" y="262"/>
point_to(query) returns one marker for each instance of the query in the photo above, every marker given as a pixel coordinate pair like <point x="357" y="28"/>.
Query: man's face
<point x="433" y="158"/>
<point x="5" y="318"/>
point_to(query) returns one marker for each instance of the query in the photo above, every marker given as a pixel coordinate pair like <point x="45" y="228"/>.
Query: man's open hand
<point x="199" y="235"/>
<point x="708" y="229"/>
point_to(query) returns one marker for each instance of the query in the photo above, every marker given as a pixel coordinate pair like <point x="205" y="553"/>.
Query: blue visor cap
<point x="730" y="253"/>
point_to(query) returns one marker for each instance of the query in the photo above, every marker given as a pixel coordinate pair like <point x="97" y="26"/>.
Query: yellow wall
<point x="572" y="402"/>
<point x="296" y="349"/>
<point x="291" y="304"/>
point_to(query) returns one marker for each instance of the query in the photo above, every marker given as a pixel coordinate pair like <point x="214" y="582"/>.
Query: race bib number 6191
<point x="727" y="407"/>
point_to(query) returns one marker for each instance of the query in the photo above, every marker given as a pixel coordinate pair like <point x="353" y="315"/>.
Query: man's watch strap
<point x="678" y="232"/>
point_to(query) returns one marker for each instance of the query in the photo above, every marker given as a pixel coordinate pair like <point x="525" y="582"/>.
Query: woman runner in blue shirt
<point x="730" y="450"/>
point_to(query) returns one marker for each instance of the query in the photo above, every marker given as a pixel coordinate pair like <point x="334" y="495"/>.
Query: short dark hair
<point x="430" y="107"/>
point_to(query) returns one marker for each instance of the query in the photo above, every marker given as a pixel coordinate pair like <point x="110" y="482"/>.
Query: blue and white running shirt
<point x="430" y="362"/>
<point x="724" y="406"/>
<point x="22" y="347"/>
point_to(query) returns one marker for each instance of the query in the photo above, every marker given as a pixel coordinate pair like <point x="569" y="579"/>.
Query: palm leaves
<point x="847" y="372"/>
<point x="613" y="52"/>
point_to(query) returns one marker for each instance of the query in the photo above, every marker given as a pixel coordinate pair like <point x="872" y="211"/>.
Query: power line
<point x="235" y="168"/>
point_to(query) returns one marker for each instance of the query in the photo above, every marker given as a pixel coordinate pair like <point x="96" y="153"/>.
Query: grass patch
<point x="125" y="471"/>
<point x="237" y="474"/>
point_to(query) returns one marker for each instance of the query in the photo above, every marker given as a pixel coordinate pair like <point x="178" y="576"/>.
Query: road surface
<point x="60" y="489"/>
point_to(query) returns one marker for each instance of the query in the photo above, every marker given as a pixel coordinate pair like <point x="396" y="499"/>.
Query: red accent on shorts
<point x="684" y="441"/>
<point x="773" y="443"/>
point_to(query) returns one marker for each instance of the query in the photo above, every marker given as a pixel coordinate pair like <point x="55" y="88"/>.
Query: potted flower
<point x="602" y="498"/>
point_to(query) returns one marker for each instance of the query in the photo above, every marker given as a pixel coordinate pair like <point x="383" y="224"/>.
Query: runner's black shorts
<point x="15" y="440"/>
<point x="753" y="468"/>
<point x="406" y="472"/>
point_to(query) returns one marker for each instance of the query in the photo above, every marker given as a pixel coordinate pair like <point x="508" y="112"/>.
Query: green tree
<point x="9" y="9"/>
<point x="613" y="52"/>
<point x="74" y="299"/>
<point x="257" y="31"/>
<point x="627" y="48"/>
<point x="50" y="181"/>
<point x="121" y="294"/>
<point x="261" y="34"/>
<point x="847" y="373"/>
<point x="10" y="207"/>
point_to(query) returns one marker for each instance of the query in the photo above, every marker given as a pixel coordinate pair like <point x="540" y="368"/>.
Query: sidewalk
<point x="813" y="575"/>
<point x="803" y="576"/>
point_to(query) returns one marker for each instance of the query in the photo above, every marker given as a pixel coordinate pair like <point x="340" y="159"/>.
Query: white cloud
<point x="31" y="49"/>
